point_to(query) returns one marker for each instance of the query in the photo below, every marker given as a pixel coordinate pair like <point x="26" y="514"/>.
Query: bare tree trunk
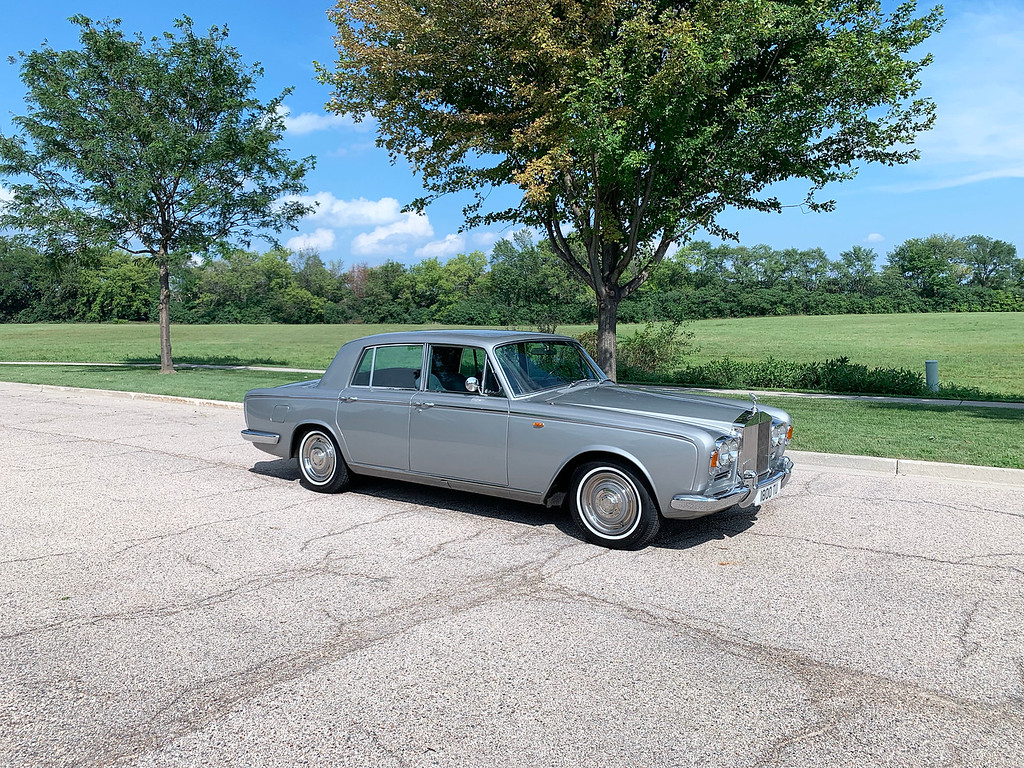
<point x="166" y="364"/>
<point x="607" y="317"/>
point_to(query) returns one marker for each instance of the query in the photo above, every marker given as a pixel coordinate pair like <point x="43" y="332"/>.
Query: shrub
<point x="838" y="375"/>
<point x="655" y="348"/>
<point x="653" y="351"/>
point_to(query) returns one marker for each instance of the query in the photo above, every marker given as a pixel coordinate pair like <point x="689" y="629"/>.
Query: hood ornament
<point x="753" y="399"/>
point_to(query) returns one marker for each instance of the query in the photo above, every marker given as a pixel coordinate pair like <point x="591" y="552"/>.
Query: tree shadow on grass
<point x="209" y="360"/>
<point x="675" y="534"/>
<point x="994" y="412"/>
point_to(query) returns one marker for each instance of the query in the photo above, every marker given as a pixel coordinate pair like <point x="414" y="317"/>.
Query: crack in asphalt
<point x="38" y="557"/>
<point x="967" y="647"/>
<point x="189" y="710"/>
<point x="962" y="507"/>
<point x="122" y="444"/>
<point x="821" y="680"/>
<point x="354" y="527"/>
<point x="206" y="524"/>
<point x="964" y="562"/>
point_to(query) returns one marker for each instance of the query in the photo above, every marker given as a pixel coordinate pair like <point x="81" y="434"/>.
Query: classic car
<point x="524" y="416"/>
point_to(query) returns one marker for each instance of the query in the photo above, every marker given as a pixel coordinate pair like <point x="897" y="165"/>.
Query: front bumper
<point x="686" y="506"/>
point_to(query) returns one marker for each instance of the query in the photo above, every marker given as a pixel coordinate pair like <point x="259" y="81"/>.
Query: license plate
<point x="768" y="492"/>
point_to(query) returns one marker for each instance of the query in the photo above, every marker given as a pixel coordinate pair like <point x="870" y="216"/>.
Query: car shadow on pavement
<point x="675" y="534"/>
<point x="440" y="498"/>
<point x="686" y="534"/>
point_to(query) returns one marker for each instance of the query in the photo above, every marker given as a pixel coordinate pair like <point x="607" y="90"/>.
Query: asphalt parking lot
<point x="171" y="596"/>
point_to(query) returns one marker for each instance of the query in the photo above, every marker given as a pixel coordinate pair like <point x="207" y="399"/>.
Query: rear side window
<point x="394" y="367"/>
<point x="362" y="377"/>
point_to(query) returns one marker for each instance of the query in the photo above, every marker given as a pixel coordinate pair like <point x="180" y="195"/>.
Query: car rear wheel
<point x="612" y="506"/>
<point x="321" y="464"/>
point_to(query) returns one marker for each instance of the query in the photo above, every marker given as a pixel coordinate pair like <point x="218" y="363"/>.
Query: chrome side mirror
<point x="472" y="385"/>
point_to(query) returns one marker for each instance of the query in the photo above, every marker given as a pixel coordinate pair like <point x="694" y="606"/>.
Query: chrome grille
<point x="755" y="452"/>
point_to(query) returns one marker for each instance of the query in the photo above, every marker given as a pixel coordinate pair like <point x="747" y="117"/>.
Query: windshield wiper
<point x="579" y="381"/>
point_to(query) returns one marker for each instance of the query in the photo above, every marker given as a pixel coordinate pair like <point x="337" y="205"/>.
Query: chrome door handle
<point x="349" y="399"/>
<point x="424" y="405"/>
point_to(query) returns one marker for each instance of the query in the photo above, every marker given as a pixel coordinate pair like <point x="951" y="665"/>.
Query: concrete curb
<point x="124" y="395"/>
<point x="909" y="468"/>
<point x="823" y="461"/>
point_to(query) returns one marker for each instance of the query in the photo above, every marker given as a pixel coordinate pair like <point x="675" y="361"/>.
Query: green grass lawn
<point x="984" y="350"/>
<point x="959" y="435"/>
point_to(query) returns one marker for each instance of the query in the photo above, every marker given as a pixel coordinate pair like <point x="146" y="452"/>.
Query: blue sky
<point x="969" y="180"/>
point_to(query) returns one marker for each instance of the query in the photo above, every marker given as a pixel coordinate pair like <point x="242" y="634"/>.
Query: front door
<point x="454" y="432"/>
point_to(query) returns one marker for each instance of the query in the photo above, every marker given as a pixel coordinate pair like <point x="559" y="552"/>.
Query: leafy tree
<point x="930" y="267"/>
<point x="855" y="271"/>
<point x="531" y="286"/>
<point x="634" y="123"/>
<point x="314" y="277"/>
<point x="992" y="263"/>
<point x="381" y="294"/>
<point x="123" y="289"/>
<point x="157" y="147"/>
<point x="18" y="279"/>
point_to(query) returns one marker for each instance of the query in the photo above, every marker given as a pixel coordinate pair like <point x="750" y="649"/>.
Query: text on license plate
<point x="768" y="492"/>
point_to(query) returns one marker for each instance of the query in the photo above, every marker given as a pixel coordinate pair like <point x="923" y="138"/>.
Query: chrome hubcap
<point x="318" y="458"/>
<point x="608" y="503"/>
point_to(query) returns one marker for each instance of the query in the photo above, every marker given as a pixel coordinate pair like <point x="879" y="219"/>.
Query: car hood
<point x="700" y="410"/>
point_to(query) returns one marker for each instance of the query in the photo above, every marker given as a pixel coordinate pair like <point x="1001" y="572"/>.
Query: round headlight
<point x="728" y="449"/>
<point x="779" y="433"/>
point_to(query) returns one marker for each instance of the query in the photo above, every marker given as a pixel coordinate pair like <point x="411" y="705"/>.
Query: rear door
<point x="373" y="412"/>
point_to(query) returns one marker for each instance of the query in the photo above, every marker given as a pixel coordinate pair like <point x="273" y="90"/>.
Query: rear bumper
<point x="686" y="506"/>
<point x="261" y="438"/>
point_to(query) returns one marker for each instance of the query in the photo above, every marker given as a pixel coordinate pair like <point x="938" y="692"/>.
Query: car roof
<point x="484" y="337"/>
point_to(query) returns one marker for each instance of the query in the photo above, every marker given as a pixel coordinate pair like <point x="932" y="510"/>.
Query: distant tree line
<point x="519" y="283"/>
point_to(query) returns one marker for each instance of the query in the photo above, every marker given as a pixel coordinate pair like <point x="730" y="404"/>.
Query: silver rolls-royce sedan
<point x="524" y="416"/>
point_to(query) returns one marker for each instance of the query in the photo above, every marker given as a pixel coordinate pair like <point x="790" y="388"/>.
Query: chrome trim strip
<point x="686" y="506"/>
<point x="263" y="438"/>
<point x="566" y="420"/>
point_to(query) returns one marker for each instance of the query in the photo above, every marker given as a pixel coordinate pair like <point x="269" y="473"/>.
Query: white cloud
<point x="874" y="237"/>
<point x="393" y="239"/>
<point x="979" y="96"/>
<point x="956" y="181"/>
<point x="320" y="240"/>
<point x="451" y="245"/>
<point x="310" y="122"/>
<point x="351" y="213"/>
<point x="484" y="239"/>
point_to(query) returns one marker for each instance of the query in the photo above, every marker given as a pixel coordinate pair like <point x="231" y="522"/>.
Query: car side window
<point x="451" y="366"/>
<point x="395" y="366"/>
<point x="362" y="377"/>
<point x="490" y="385"/>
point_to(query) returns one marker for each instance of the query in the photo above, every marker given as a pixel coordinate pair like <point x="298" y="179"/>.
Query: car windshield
<point x="530" y="366"/>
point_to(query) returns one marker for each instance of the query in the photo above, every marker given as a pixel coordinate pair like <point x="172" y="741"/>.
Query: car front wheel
<point x="612" y="506"/>
<point x="321" y="464"/>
